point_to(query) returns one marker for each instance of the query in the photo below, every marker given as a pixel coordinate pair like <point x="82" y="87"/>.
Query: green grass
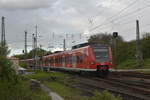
<point x="131" y="64"/>
<point x="66" y="92"/>
<point x="45" y="76"/>
<point x="105" y="95"/>
<point x="147" y="63"/>
<point x="61" y="85"/>
<point x="75" y="94"/>
<point x="21" y="91"/>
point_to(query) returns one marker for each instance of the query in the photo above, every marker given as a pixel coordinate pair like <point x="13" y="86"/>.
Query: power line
<point x="122" y="10"/>
<point x="133" y="12"/>
<point x="102" y="11"/>
<point x="118" y="18"/>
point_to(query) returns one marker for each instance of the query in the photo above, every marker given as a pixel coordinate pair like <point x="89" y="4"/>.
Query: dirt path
<point x="53" y="95"/>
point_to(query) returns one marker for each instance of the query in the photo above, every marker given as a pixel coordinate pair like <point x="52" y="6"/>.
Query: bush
<point x="104" y="96"/>
<point x="20" y="91"/>
<point x="7" y="73"/>
<point x="23" y="64"/>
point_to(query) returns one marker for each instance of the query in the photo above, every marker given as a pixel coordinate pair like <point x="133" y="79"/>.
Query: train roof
<point x="76" y="47"/>
<point x="65" y="52"/>
<point x="87" y="44"/>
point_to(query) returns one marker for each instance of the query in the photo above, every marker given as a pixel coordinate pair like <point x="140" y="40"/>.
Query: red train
<point x="83" y="57"/>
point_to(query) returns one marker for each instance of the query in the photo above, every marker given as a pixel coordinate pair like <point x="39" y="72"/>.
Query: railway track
<point x="128" y="87"/>
<point x="124" y="84"/>
<point x="126" y="91"/>
<point x="132" y="74"/>
<point x="140" y="84"/>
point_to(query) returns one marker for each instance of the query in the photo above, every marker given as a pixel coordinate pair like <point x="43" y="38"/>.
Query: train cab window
<point x="101" y="54"/>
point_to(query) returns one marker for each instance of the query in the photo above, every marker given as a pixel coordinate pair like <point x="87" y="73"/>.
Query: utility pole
<point x="25" y="43"/>
<point x="33" y="45"/>
<point x="41" y="57"/>
<point x="64" y="45"/>
<point x="139" y="55"/>
<point x="36" y="44"/>
<point x="3" y="40"/>
<point x="34" y="48"/>
<point x="36" y="35"/>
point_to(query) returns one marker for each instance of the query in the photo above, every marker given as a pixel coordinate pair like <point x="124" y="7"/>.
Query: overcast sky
<point x="76" y="18"/>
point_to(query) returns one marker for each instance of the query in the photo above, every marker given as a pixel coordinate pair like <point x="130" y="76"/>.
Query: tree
<point x="7" y="73"/>
<point x="145" y="45"/>
<point x="4" y="51"/>
<point x="39" y="52"/>
<point x="103" y="38"/>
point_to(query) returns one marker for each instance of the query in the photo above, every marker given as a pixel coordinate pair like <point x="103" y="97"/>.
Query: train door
<point x="74" y="61"/>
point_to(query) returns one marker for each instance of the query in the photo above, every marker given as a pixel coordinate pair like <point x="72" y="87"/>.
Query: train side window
<point x="59" y="60"/>
<point x="66" y="59"/>
<point x="63" y="59"/>
<point x="70" y="59"/>
<point x="74" y="59"/>
<point x="52" y="60"/>
<point x="78" y="59"/>
<point x="81" y="58"/>
<point x="49" y="60"/>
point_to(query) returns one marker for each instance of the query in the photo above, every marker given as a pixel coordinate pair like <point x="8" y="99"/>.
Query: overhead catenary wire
<point x="121" y="11"/>
<point x="131" y="13"/>
<point x="118" y="18"/>
<point x="96" y="15"/>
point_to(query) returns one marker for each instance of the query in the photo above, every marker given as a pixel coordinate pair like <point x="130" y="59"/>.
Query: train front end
<point x="103" y="58"/>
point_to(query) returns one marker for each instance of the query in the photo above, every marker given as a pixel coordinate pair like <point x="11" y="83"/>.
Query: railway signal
<point x="115" y="34"/>
<point x="115" y="37"/>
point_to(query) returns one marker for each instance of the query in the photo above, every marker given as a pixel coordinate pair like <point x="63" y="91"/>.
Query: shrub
<point x="7" y="73"/>
<point x="104" y="96"/>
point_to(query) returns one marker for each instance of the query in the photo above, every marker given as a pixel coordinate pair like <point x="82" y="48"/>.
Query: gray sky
<point x="71" y="17"/>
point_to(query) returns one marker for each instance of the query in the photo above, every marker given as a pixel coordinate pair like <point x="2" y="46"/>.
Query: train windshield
<point x="101" y="54"/>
